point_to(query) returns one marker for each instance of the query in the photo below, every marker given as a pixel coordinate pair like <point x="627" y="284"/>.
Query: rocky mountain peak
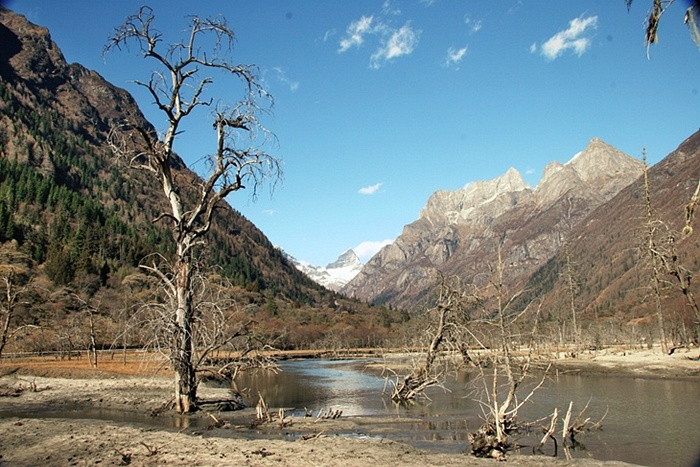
<point x="347" y="259"/>
<point x="599" y="168"/>
<point x="509" y="182"/>
<point x="459" y="231"/>
<point x="599" y="159"/>
<point x="31" y="60"/>
<point x="462" y="205"/>
<point x="28" y="49"/>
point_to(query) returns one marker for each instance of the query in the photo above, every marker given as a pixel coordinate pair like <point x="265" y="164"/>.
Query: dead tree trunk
<point x="571" y="285"/>
<point x="183" y="359"/>
<point x="423" y="377"/>
<point x="654" y="255"/>
<point x="7" y="315"/>
<point x="178" y="87"/>
<point x="15" y="278"/>
<point x="92" y="347"/>
<point x="492" y="438"/>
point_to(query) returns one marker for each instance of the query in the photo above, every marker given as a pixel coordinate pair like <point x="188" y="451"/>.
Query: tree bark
<point x="185" y="376"/>
<point x="5" y="329"/>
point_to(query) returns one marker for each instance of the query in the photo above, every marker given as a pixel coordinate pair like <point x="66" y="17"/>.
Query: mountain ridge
<point x="459" y="231"/>
<point x="610" y="259"/>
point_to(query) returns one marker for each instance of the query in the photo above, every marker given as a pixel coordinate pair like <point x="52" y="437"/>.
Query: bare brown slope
<point x="607" y="250"/>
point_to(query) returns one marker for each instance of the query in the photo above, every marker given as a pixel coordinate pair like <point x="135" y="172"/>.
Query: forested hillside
<point x="80" y="224"/>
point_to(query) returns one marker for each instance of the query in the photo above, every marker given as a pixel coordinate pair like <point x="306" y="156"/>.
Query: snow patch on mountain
<point x="334" y="275"/>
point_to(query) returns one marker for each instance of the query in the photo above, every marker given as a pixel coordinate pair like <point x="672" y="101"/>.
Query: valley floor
<point x="36" y="395"/>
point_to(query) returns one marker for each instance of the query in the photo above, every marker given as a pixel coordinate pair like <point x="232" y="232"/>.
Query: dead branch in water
<point x="262" y="413"/>
<point x="550" y="432"/>
<point x="425" y="375"/>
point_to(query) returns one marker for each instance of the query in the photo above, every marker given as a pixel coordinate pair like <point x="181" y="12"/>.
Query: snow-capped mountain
<point x="336" y="274"/>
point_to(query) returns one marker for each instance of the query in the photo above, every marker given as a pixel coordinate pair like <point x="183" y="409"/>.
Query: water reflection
<point x="649" y="422"/>
<point x="315" y="385"/>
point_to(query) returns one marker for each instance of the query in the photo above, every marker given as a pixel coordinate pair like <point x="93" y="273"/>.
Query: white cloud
<point x="356" y="32"/>
<point x="455" y="56"/>
<point x="573" y="38"/>
<point x="328" y="34"/>
<point x="392" y="42"/>
<point x="390" y="7"/>
<point x="366" y="250"/>
<point x="402" y="41"/>
<point x="281" y="76"/>
<point x="475" y="25"/>
<point x="370" y="190"/>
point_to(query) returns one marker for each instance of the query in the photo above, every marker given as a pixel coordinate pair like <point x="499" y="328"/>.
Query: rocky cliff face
<point x="31" y="60"/>
<point x="458" y="232"/>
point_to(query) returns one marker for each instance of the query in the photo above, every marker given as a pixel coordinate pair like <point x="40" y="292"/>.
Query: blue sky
<point x="380" y="103"/>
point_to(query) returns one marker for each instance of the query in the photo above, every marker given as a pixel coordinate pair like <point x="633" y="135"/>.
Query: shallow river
<point x="648" y="422"/>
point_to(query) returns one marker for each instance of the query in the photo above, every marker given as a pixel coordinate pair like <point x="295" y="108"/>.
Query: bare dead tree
<point x="654" y="254"/>
<point x="658" y="8"/>
<point x="15" y="280"/>
<point x="690" y="210"/>
<point x="445" y="334"/>
<point x="502" y="395"/>
<point x="89" y="306"/>
<point x="178" y="87"/>
<point x="224" y="342"/>
<point x="571" y="282"/>
<point x="424" y="375"/>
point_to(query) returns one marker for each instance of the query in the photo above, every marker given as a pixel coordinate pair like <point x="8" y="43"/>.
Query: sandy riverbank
<point x="48" y="389"/>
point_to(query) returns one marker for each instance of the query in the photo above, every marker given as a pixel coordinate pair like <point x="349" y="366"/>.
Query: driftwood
<point x="328" y="414"/>
<point x="262" y="414"/>
<point x="218" y="422"/>
<point x="235" y="402"/>
<point x="17" y="391"/>
<point x="312" y="436"/>
<point x="571" y="429"/>
<point x="486" y="441"/>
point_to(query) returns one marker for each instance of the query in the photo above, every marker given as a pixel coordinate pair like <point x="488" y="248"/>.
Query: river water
<point x="654" y="422"/>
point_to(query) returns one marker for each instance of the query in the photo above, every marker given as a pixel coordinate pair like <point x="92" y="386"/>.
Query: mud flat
<point x="683" y="363"/>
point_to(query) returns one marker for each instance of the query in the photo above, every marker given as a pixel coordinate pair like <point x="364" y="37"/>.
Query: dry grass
<point x="134" y="363"/>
